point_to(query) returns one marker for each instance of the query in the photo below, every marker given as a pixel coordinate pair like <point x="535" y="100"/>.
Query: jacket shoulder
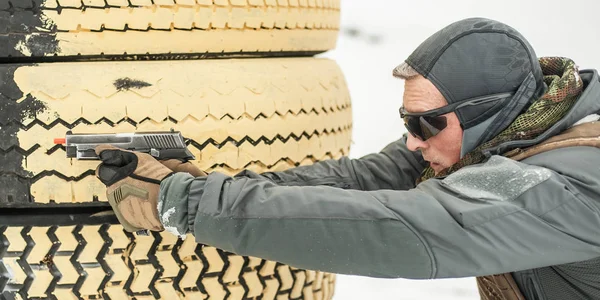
<point x="571" y="161"/>
<point x="578" y="166"/>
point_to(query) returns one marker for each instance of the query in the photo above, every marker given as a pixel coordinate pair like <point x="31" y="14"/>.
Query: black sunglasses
<point x="425" y="125"/>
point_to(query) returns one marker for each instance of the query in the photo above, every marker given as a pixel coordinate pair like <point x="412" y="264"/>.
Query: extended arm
<point x="493" y="218"/>
<point x="395" y="167"/>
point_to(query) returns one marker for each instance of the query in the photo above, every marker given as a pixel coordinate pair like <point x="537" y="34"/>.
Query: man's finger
<point x="116" y="157"/>
<point x="187" y="167"/>
<point x="104" y="147"/>
<point x="109" y="175"/>
<point x="190" y="168"/>
<point x="171" y="163"/>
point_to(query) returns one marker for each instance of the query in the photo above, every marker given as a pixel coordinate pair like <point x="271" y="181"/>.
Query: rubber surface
<point x="105" y="262"/>
<point x="141" y="29"/>
<point x="258" y="114"/>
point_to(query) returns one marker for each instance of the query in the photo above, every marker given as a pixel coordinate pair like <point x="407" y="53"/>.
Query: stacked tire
<point x="238" y="78"/>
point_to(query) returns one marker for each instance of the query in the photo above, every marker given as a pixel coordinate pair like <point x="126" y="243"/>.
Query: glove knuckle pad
<point x="125" y="190"/>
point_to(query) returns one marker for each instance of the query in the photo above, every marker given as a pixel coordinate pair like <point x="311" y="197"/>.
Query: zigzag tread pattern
<point x="200" y="146"/>
<point x="206" y="131"/>
<point x="54" y="187"/>
<point x="49" y="124"/>
<point x="275" y="114"/>
<point x="235" y="154"/>
<point x="104" y="261"/>
<point x="113" y="120"/>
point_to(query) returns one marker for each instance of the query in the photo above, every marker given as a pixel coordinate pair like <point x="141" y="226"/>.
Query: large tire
<point x="142" y="29"/>
<point x="259" y="114"/>
<point x="104" y="262"/>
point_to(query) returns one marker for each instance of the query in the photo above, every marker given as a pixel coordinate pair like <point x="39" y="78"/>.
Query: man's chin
<point x="437" y="168"/>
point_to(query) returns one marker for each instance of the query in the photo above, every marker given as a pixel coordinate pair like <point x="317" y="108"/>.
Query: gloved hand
<point x="133" y="185"/>
<point x="176" y="165"/>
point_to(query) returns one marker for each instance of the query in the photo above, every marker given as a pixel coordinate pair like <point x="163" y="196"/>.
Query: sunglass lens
<point x="423" y="127"/>
<point x="413" y="126"/>
<point x="431" y="126"/>
<point x="411" y="131"/>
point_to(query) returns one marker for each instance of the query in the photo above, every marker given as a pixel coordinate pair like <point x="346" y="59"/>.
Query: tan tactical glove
<point x="176" y="165"/>
<point x="133" y="185"/>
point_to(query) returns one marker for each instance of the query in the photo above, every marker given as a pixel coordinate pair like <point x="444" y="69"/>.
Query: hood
<point x="588" y="103"/>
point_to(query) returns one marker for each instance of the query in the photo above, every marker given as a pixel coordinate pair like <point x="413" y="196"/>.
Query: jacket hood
<point x="588" y="103"/>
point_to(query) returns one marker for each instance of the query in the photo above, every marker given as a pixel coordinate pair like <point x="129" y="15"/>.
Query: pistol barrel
<point x="162" y="145"/>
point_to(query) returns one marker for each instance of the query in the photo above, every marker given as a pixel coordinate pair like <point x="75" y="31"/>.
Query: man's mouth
<point x="432" y="164"/>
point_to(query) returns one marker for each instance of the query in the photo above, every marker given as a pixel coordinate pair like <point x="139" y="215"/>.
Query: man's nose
<point x="414" y="144"/>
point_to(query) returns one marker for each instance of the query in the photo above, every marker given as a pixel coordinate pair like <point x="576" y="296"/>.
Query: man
<point x="493" y="180"/>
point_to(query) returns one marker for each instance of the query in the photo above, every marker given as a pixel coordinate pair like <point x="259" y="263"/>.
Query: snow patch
<point x="587" y="119"/>
<point x="167" y="215"/>
<point x="174" y="231"/>
<point x="21" y="46"/>
<point x="47" y="23"/>
<point x="498" y="179"/>
<point x="165" y="220"/>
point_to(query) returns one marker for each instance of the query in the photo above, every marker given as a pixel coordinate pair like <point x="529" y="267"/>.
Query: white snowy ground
<point x="377" y="35"/>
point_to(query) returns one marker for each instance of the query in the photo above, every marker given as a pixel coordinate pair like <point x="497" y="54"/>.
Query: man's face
<point x="443" y="149"/>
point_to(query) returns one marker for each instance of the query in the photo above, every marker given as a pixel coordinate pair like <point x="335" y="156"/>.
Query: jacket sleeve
<point x="496" y="217"/>
<point x="395" y="167"/>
